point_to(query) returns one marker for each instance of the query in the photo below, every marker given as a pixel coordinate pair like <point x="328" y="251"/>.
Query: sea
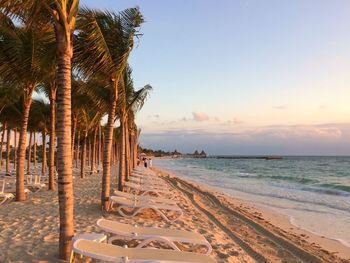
<point x="314" y="192"/>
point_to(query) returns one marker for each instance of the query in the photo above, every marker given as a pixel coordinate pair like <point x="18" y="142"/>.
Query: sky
<point x="243" y="77"/>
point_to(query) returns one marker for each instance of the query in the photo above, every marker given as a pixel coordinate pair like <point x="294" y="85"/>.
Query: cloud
<point x="200" y="116"/>
<point x="280" y="107"/>
<point x="235" y="121"/>
<point x="318" y="139"/>
<point x="157" y="116"/>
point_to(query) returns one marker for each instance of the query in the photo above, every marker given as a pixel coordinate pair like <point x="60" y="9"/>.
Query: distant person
<point x="150" y="162"/>
<point x="145" y="162"/>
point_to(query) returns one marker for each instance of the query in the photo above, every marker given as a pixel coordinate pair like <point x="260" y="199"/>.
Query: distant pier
<point x="248" y="157"/>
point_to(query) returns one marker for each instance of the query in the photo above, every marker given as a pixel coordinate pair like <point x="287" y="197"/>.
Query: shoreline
<point x="272" y="220"/>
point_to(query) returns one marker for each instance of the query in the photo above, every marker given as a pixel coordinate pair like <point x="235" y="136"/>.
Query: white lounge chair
<point x="152" y="199"/>
<point x="4" y="196"/>
<point x="138" y="206"/>
<point x="148" y="182"/>
<point x="35" y="184"/>
<point x="150" y="234"/>
<point x="145" y="189"/>
<point x="112" y="253"/>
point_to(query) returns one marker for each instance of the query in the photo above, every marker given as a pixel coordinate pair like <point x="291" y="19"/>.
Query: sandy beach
<point x="236" y="231"/>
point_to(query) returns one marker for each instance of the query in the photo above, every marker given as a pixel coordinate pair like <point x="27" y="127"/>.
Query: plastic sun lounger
<point x="36" y="185"/>
<point x="112" y="253"/>
<point x="139" y="206"/>
<point x="148" y="189"/>
<point x="153" y="199"/>
<point x="4" y="196"/>
<point x="145" y="179"/>
<point x="148" y="182"/>
<point x="150" y="234"/>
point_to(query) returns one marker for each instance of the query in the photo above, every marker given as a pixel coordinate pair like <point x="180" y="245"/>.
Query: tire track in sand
<point x="191" y="191"/>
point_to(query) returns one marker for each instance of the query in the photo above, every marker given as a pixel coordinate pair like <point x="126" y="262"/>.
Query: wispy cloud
<point x="319" y="139"/>
<point x="157" y="116"/>
<point x="280" y="107"/>
<point x="200" y="116"/>
<point x="235" y="121"/>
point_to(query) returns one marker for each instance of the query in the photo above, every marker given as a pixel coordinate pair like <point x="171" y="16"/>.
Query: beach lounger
<point x="138" y="206"/>
<point x="149" y="182"/>
<point x="153" y="199"/>
<point x="35" y="184"/>
<point x="148" y="235"/>
<point x="113" y="253"/>
<point x="145" y="189"/>
<point x="4" y="196"/>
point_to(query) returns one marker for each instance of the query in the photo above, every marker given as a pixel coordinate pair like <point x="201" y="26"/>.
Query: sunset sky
<point x="244" y="77"/>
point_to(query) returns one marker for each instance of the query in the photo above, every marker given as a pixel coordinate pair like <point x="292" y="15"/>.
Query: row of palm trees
<point x="77" y="61"/>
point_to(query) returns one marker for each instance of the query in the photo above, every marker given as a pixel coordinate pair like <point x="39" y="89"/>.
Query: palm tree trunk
<point x="52" y="138"/>
<point x="127" y="152"/>
<point x="117" y="149"/>
<point x="34" y="149"/>
<point x="64" y="153"/>
<point x="8" y="150"/>
<point x="122" y="154"/>
<point x="94" y="152"/>
<point x="75" y="119"/>
<point x="83" y="156"/>
<point x="77" y="150"/>
<point x="4" y="127"/>
<point x="89" y="151"/>
<point x="113" y="153"/>
<point x="43" y="167"/>
<point x="22" y="143"/>
<point x="15" y="151"/>
<point x="64" y="139"/>
<point x="132" y="148"/>
<point x="106" y="177"/>
<point x="29" y="152"/>
<point x="102" y="146"/>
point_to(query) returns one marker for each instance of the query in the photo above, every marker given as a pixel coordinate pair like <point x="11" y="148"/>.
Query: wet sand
<point x="262" y="233"/>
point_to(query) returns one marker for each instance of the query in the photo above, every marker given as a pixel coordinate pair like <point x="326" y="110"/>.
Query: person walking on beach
<point x="145" y="162"/>
<point x="150" y="162"/>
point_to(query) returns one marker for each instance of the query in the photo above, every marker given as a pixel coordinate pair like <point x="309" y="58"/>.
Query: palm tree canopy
<point x="39" y="116"/>
<point x="21" y="54"/>
<point x="61" y="12"/>
<point x="104" y="41"/>
<point x="130" y="100"/>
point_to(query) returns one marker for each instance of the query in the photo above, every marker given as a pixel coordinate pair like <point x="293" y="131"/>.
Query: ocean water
<point x="314" y="192"/>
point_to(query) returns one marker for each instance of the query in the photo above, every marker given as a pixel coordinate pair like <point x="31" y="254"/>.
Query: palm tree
<point x="40" y="116"/>
<point x="62" y="16"/>
<point x="105" y="41"/>
<point x="90" y="117"/>
<point x="9" y="111"/>
<point x="49" y="88"/>
<point x="130" y="101"/>
<point x="10" y="115"/>
<point x="20" y="53"/>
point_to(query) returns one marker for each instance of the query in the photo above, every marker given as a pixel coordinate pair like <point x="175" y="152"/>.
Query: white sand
<point x="29" y="230"/>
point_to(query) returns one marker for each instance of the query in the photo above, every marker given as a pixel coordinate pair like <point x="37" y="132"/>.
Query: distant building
<point x="176" y="154"/>
<point x="203" y="154"/>
<point x="196" y="154"/>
